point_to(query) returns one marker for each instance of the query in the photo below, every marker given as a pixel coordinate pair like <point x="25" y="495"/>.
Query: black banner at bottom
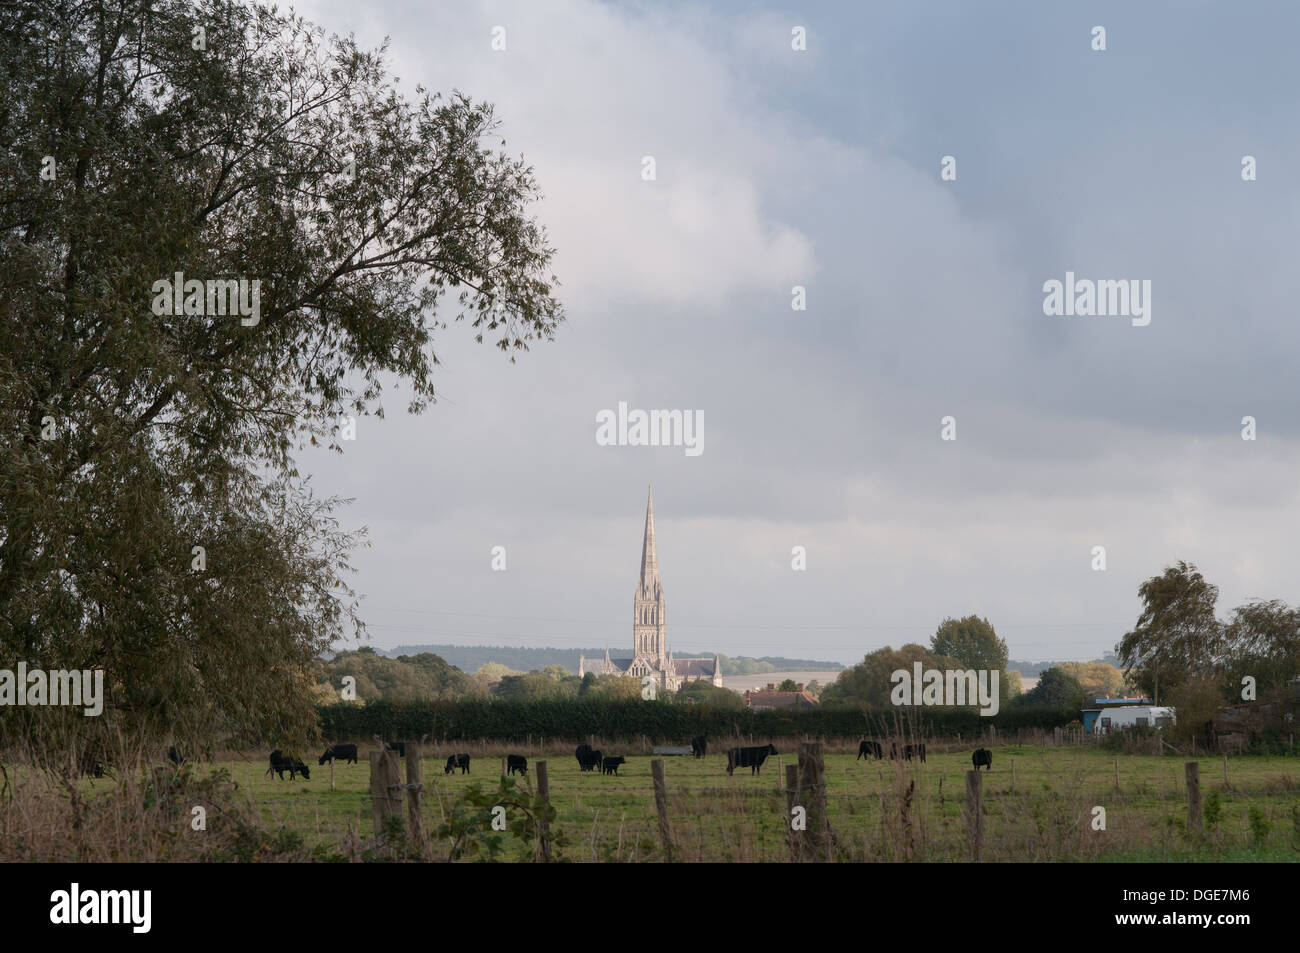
<point x="139" y="902"/>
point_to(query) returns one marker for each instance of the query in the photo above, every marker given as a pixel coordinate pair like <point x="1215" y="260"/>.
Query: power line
<point x="733" y="625"/>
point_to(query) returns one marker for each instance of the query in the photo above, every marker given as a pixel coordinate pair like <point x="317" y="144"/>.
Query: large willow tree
<point x="145" y="138"/>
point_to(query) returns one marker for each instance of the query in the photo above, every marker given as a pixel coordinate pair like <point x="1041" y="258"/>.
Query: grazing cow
<point x="398" y="746"/>
<point x="610" y="765"/>
<point x="457" y="761"/>
<point x="174" y="756"/>
<point x="749" y="757"/>
<point x="982" y="756"/>
<point x="280" y="763"/>
<point x="867" y="748"/>
<point x="699" y="746"/>
<point x="588" y="757"/>
<point x="344" y="753"/>
<point x="908" y="751"/>
<point x="516" y="762"/>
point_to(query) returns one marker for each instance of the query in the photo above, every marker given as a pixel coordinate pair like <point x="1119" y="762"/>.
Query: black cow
<point x="867" y="748"/>
<point x="457" y="761"/>
<point x="610" y="765"/>
<point x="398" y="746"/>
<point x="280" y="763"/>
<point x="908" y="751"/>
<point x="749" y="757"/>
<point x="174" y="756"/>
<point x="982" y="756"/>
<point x="344" y="753"/>
<point x="699" y="746"/>
<point x="516" y="762"/>
<point x="588" y="757"/>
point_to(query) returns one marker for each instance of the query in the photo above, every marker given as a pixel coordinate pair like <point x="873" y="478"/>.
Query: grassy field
<point x="879" y="810"/>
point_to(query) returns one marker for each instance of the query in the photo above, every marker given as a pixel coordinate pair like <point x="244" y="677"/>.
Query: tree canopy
<point x="423" y="677"/>
<point x="868" y="684"/>
<point x="152" y="140"/>
<point x="971" y="641"/>
<point x="1056" y="687"/>
<point x="1177" y="635"/>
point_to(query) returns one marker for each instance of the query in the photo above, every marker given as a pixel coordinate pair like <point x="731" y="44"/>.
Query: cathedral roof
<point x="694" y="666"/>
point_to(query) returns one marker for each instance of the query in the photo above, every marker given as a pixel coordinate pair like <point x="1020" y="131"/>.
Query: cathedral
<point x="650" y="653"/>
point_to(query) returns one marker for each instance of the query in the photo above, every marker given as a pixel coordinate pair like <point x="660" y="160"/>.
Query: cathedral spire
<point x="649" y="560"/>
<point x="649" y="638"/>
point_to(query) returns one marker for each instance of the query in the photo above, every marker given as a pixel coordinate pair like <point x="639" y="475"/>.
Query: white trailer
<point x="1131" y="716"/>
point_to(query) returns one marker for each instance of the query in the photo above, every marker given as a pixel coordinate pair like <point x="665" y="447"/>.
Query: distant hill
<point x="468" y="658"/>
<point x="1034" y="669"/>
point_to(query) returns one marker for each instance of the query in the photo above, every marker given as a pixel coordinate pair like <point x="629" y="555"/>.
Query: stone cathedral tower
<point x="649" y="629"/>
<point x="650" y="654"/>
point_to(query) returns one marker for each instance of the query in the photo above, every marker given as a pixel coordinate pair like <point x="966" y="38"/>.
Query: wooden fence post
<point x="414" y="786"/>
<point x="661" y="805"/>
<point x="1225" y="770"/>
<point x="383" y="782"/>
<point x="791" y="791"/>
<point x="543" y="792"/>
<point x="975" y="811"/>
<point x="331" y="774"/>
<point x="1116" y="772"/>
<point x="811" y="795"/>
<point x="1056" y="736"/>
<point x="1193" y="796"/>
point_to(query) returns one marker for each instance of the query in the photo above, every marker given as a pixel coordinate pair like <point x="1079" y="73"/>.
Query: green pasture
<point x="879" y="810"/>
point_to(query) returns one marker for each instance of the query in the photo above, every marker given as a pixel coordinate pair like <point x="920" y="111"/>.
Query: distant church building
<point x="651" y="655"/>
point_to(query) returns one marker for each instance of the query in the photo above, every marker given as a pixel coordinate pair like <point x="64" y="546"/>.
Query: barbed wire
<point x="778" y="795"/>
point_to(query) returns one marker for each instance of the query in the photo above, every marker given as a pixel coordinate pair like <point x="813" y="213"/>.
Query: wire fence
<point x="900" y="821"/>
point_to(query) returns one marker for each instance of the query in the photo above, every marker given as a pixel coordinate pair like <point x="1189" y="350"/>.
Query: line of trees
<point x="1179" y="638"/>
<point x="659" y="721"/>
<point x="428" y="677"/>
<point x="1181" y="654"/>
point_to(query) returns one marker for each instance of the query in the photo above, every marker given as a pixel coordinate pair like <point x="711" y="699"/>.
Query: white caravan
<point x="1130" y="716"/>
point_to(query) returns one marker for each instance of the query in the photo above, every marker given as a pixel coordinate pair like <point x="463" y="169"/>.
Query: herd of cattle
<point x="868" y="748"/>
<point x="982" y="757"/>
<point x="591" y="759"/>
<point x="280" y="762"/>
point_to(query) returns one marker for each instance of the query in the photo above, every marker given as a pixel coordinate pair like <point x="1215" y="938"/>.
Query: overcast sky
<point x="821" y="168"/>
